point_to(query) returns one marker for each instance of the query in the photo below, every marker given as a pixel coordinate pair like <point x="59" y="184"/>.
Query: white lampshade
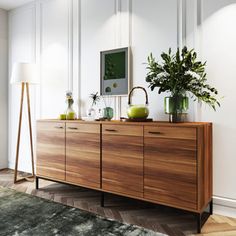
<point x="24" y="73"/>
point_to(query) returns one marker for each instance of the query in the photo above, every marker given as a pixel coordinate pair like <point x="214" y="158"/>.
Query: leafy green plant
<point x="179" y="74"/>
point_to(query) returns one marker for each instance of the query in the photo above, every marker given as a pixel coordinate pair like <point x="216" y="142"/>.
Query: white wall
<point x="3" y="87"/>
<point x="211" y="30"/>
<point x="54" y="56"/>
<point x="153" y="30"/>
<point x="21" y="49"/>
<point x="70" y="34"/>
<point x="98" y="28"/>
<point x="218" y="47"/>
<point x="65" y="38"/>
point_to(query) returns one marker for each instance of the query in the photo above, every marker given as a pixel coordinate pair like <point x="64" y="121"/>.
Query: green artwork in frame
<point x="115" y="72"/>
<point x="114" y="66"/>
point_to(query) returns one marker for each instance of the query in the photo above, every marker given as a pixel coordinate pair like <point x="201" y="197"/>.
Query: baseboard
<point x="3" y="167"/>
<point x="224" y="206"/>
<point x="11" y="165"/>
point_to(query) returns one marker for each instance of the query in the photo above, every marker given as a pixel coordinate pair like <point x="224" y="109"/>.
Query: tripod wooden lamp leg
<point x="19" y="135"/>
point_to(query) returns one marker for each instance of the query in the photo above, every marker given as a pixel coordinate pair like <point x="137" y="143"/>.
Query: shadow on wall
<point x="212" y="7"/>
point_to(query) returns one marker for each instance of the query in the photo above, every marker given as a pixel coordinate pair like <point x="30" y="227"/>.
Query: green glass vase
<point x="177" y="107"/>
<point x="108" y="113"/>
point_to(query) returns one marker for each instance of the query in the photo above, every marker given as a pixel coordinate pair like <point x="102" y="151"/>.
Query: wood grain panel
<point x="123" y="130"/>
<point x="170" y="170"/>
<point x="122" y="160"/>
<point x="74" y="127"/>
<point x="209" y="160"/>
<point x="83" y="154"/>
<point x="204" y="165"/>
<point x="51" y="150"/>
<point x="170" y="132"/>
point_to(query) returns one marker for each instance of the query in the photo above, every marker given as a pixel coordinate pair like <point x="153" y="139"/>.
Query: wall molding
<point x="76" y="53"/>
<point x="226" y="202"/>
<point x="70" y="45"/>
<point x="181" y="23"/>
<point x="224" y="206"/>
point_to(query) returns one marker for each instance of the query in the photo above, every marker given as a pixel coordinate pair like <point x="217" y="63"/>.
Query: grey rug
<point x="23" y="214"/>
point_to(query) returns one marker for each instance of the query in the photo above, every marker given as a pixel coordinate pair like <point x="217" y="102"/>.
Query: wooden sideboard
<point x="158" y="162"/>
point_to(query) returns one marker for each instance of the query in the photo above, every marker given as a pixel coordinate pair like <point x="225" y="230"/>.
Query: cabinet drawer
<point x="58" y="127"/>
<point x="82" y="128"/>
<point x="170" y="132"/>
<point x="128" y="130"/>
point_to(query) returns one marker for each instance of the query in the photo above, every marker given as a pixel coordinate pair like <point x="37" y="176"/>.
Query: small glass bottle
<point x="70" y="113"/>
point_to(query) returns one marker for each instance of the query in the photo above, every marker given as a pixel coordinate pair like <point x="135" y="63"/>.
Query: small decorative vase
<point x="70" y="113"/>
<point x="91" y="113"/>
<point x="108" y="113"/>
<point x="177" y="108"/>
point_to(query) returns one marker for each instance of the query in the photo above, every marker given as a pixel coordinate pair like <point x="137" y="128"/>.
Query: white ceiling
<point x="11" y="4"/>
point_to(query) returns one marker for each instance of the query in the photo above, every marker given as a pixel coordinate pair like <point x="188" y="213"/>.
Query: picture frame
<point x="115" y="72"/>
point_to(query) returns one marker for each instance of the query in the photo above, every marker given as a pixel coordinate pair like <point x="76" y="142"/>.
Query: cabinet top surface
<point x="117" y="122"/>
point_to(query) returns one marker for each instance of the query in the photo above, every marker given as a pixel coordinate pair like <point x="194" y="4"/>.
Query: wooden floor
<point x="158" y="218"/>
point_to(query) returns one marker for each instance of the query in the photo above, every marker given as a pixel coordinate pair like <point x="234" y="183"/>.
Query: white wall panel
<point x="210" y="29"/>
<point x="154" y="29"/>
<point x="21" y="49"/>
<point x="219" y="49"/>
<point x="54" y="56"/>
<point x="3" y="87"/>
<point x="98" y="32"/>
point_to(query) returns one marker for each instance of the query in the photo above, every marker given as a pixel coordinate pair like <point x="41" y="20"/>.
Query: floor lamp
<point x="24" y="74"/>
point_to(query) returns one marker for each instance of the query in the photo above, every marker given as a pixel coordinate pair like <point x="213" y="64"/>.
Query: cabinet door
<point x="83" y="154"/>
<point x="170" y="166"/>
<point x="51" y="150"/>
<point x="122" y="159"/>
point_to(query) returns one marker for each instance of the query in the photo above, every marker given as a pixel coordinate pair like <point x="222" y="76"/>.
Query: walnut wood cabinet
<point x="159" y="162"/>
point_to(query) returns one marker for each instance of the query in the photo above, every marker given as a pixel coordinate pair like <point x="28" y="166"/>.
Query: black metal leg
<point x="211" y="207"/>
<point x="199" y="222"/>
<point x="102" y="199"/>
<point x="37" y="182"/>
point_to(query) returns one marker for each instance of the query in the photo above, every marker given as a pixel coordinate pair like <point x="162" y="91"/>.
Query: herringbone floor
<point x="161" y="219"/>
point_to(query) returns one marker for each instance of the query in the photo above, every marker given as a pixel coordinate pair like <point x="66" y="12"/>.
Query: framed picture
<point x="115" y="72"/>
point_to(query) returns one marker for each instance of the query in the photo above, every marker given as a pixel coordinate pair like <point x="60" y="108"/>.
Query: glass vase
<point x="108" y="113"/>
<point x="177" y="108"/>
<point x="70" y="113"/>
<point x="91" y="113"/>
